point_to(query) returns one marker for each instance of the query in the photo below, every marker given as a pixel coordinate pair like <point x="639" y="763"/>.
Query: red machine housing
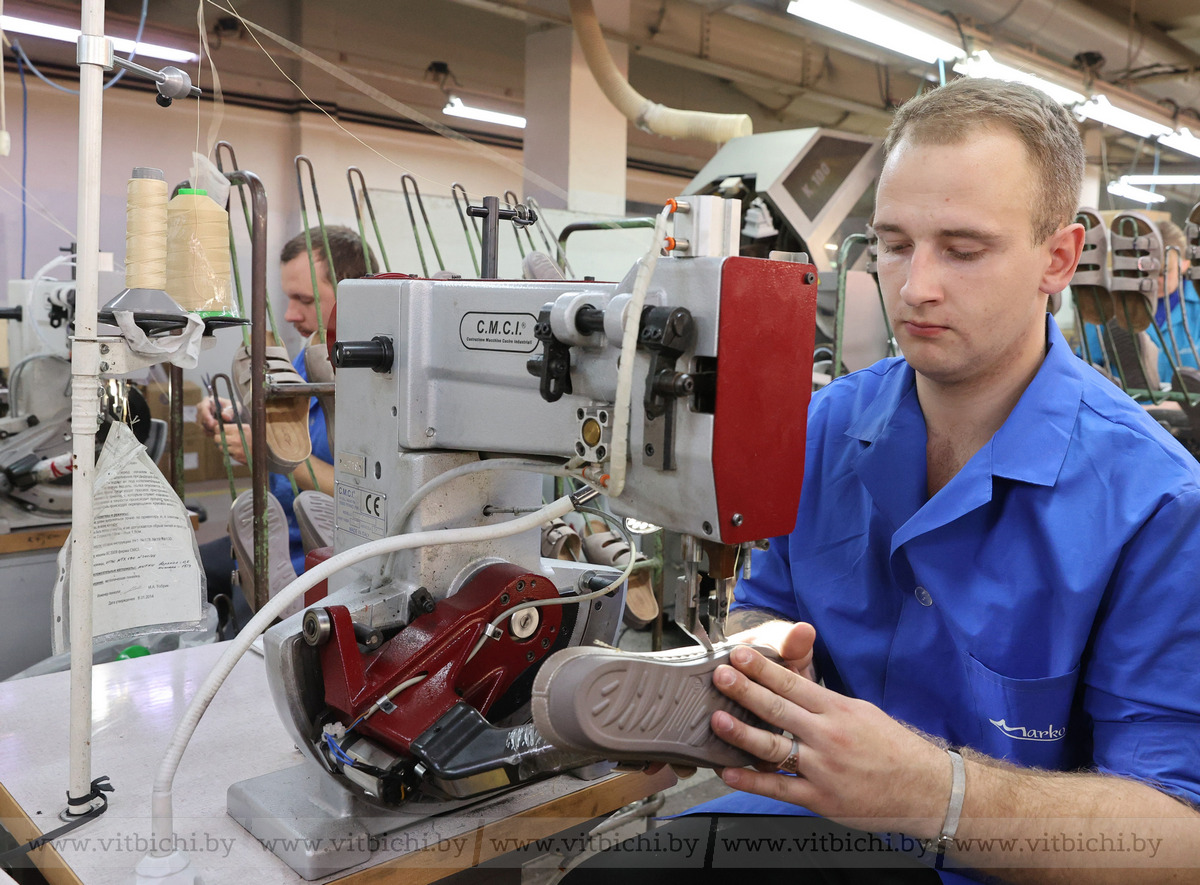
<point x="438" y="645"/>
<point x="764" y="382"/>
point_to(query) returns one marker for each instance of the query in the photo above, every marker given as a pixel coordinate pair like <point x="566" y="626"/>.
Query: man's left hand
<point x="855" y="763"/>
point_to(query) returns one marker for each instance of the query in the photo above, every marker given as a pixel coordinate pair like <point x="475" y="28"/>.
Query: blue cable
<point x="338" y="752"/>
<point x="24" y="160"/>
<point x="20" y="53"/>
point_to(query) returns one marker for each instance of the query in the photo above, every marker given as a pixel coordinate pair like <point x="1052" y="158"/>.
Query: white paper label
<point x="144" y="568"/>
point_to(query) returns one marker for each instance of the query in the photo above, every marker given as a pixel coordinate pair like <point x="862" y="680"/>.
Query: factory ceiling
<point x="748" y="56"/>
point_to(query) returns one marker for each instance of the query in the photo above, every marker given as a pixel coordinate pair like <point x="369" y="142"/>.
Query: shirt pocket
<point x="1025" y="721"/>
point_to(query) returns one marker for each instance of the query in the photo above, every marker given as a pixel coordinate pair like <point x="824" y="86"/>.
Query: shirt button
<point x="923" y="596"/>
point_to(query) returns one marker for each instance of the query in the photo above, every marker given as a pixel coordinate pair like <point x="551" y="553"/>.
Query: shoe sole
<point x="644" y="707"/>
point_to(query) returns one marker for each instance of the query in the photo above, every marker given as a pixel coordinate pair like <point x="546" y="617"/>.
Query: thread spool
<point x="146" y="230"/>
<point x="198" y="265"/>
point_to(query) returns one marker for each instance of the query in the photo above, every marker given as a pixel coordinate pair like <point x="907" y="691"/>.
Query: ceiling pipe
<point x="644" y="113"/>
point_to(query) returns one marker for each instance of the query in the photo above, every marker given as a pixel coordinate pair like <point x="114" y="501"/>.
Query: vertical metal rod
<point x="258" y="396"/>
<point x="85" y="373"/>
<point x="491" y="234"/>
<point x="175" y="428"/>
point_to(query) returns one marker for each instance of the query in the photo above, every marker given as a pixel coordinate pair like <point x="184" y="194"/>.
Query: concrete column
<point x="575" y="140"/>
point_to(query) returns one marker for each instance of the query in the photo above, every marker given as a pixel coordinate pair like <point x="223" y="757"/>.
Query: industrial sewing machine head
<point x="410" y="680"/>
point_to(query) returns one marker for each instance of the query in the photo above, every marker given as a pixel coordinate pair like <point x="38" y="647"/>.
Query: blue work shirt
<point x="281" y="487"/>
<point x="1043" y="607"/>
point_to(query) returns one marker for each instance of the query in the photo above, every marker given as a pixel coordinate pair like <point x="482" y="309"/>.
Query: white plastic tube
<point x="160" y="803"/>
<point x="633" y="316"/>
<point x="644" y="113"/>
<point x="523" y="465"/>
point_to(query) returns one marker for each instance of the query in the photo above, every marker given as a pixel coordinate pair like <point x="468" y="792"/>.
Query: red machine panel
<point x="764" y="382"/>
<point x="438" y="645"/>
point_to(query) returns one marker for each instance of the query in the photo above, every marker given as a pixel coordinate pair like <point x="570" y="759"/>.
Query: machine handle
<point x="378" y="354"/>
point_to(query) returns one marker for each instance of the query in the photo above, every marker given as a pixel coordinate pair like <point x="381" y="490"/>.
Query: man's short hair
<point x="345" y="246"/>
<point x="951" y="113"/>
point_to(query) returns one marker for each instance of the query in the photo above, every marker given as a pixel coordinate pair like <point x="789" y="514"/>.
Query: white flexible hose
<point x="521" y="465"/>
<point x="162" y="826"/>
<point x="633" y="322"/>
<point x="644" y="113"/>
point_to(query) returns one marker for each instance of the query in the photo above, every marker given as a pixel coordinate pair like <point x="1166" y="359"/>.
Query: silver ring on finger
<point x="791" y="762"/>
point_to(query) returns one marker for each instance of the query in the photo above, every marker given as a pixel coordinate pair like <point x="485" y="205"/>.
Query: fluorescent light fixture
<point x="981" y="64"/>
<point x="71" y="35"/>
<point x="1129" y="192"/>
<point x="1100" y="109"/>
<point x="866" y="24"/>
<point x="1182" y="141"/>
<point x="1161" y="179"/>
<point x="455" y="108"/>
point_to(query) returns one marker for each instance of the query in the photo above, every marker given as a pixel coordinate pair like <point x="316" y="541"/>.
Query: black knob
<point x="376" y="354"/>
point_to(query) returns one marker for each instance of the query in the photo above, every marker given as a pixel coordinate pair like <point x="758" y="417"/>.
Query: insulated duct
<point x="644" y="113"/>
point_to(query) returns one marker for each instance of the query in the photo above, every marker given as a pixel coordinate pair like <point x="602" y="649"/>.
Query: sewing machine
<point x="404" y="698"/>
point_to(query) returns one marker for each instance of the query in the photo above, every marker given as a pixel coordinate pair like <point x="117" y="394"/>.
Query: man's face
<point x="964" y="285"/>
<point x="296" y="278"/>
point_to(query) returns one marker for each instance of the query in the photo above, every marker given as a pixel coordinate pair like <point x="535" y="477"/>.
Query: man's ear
<point x="1065" y="245"/>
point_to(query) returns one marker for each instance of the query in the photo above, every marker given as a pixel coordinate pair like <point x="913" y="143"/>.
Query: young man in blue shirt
<point x="991" y="553"/>
<point x="989" y="543"/>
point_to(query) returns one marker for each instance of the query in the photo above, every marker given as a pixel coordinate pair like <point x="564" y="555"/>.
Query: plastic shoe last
<point x="638" y="707"/>
<point x="1090" y="283"/>
<point x="609" y="548"/>
<point x="1137" y="263"/>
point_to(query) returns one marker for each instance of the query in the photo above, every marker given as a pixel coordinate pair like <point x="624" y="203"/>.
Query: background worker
<point x="295" y="277"/>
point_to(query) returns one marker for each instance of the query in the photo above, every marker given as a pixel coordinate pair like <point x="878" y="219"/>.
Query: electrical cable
<point x="24" y="157"/>
<point x="616" y="523"/>
<point x="161" y="802"/>
<point x="20" y="52"/>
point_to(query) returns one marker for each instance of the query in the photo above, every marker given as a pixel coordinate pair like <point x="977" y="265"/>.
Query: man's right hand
<point x="206" y="417"/>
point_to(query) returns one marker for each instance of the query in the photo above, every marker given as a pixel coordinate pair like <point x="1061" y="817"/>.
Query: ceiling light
<point x="1182" y="141"/>
<point x="71" y="35"/>
<point x="1129" y="192"/>
<point x="874" y="27"/>
<point x="1100" y="109"/>
<point x="1161" y="179"/>
<point x="455" y="108"/>
<point x="981" y="64"/>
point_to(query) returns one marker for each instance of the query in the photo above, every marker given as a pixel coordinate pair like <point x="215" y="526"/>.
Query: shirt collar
<point x="1032" y="443"/>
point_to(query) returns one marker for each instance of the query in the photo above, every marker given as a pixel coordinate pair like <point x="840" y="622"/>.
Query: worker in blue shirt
<point x="1181" y="304"/>
<point x="988" y="612"/>
<point x="990" y="540"/>
<point x="1170" y="337"/>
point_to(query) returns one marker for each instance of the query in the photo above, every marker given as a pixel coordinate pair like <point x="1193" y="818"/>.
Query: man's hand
<point x="856" y="763"/>
<point x="206" y="417"/>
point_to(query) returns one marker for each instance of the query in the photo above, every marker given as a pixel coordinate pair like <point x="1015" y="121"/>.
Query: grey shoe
<point x="638" y="707"/>
<point x="279" y="561"/>
<point x="314" y="516"/>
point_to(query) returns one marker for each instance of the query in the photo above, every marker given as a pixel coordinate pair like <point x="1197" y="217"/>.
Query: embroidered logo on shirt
<point x="1020" y="733"/>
